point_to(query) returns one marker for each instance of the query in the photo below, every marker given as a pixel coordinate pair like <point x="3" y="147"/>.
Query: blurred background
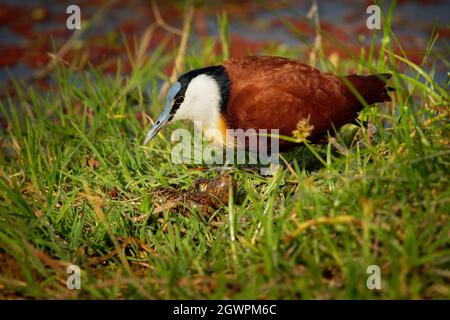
<point x="33" y="32"/>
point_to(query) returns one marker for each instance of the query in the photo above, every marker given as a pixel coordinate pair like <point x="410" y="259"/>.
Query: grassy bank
<point x="73" y="175"/>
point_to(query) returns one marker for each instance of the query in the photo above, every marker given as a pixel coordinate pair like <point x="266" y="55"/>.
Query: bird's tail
<point x="372" y="87"/>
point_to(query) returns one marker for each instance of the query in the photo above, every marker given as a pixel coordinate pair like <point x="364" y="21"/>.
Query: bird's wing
<point x="276" y="93"/>
<point x="253" y="108"/>
<point x="280" y="104"/>
<point x="290" y="76"/>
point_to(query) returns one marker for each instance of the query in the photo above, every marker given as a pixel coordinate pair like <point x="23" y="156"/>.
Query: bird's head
<point x="199" y="95"/>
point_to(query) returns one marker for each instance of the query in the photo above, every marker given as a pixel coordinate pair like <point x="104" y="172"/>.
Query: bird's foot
<point x="365" y="134"/>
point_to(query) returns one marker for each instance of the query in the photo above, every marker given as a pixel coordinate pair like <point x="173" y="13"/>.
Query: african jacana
<point x="268" y="93"/>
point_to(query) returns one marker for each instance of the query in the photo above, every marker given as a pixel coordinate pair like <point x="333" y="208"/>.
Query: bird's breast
<point x="216" y="130"/>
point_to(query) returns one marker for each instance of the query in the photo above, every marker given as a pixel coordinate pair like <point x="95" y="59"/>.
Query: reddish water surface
<point x="29" y="30"/>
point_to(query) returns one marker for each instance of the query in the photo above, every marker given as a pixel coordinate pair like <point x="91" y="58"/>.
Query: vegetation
<point x="74" y="176"/>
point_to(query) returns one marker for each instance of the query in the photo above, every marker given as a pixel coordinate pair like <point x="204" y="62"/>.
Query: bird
<point x="269" y="92"/>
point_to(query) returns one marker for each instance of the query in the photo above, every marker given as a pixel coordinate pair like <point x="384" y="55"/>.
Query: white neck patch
<point x="201" y="102"/>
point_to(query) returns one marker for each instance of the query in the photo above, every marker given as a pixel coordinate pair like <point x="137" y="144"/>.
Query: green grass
<point x="73" y="175"/>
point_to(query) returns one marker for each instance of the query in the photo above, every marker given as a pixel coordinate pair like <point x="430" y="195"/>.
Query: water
<point x="254" y="25"/>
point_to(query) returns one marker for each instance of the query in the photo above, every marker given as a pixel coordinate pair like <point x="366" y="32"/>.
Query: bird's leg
<point x="349" y="135"/>
<point x="338" y="142"/>
<point x="340" y="147"/>
<point x="370" y="131"/>
<point x="269" y="170"/>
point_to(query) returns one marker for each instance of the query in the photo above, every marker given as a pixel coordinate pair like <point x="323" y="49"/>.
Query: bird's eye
<point x="179" y="100"/>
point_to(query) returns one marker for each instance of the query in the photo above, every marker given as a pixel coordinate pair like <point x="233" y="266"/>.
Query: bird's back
<point x="276" y="93"/>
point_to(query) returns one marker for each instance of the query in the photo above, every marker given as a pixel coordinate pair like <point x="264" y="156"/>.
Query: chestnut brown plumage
<point x="258" y="92"/>
<point x="276" y="93"/>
